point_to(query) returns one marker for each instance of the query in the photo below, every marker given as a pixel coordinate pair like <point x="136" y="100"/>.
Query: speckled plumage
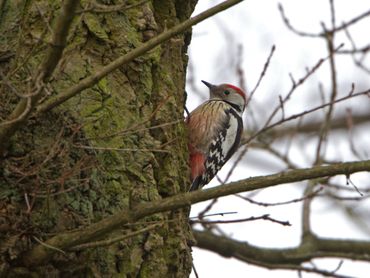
<point x="215" y="129"/>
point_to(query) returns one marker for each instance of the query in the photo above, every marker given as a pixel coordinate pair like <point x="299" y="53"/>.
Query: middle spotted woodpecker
<point x="215" y="128"/>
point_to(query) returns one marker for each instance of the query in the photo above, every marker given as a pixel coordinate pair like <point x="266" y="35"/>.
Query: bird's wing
<point x="220" y="129"/>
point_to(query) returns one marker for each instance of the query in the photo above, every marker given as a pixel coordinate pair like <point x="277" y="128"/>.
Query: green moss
<point x="79" y="182"/>
<point x="94" y="25"/>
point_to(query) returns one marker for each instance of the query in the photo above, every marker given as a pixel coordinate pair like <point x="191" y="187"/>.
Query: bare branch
<point x="291" y="28"/>
<point x="319" y="35"/>
<point x="295" y="85"/>
<point x="216" y="214"/>
<point x="308" y="196"/>
<point x="252" y="218"/>
<point x="240" y="70"/>
<point x="264" y="70"/>
<point x="266" y="126"/>
<point x="358" y="62"/>
<point x="299" y="115"/>
<point x="354" y="51"/>
<point x="325" y="127"/>
<point x="55" y="52"/>
<point x="349" y="182"/>
<point x="351" y="22"/>
<point x="115" y="239"/>
<point x="285" y="258"/>
<point x="53" y="55"/>
<point x="309" y="127"/>
<point x="40" y="254"/>
<point x="152" y="43"/>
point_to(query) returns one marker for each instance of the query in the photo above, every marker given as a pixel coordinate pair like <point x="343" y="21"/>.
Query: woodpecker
<point x="215" y="128"/>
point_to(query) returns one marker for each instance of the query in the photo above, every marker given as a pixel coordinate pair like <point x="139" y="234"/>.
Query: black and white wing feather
<point x="225" y="143"/>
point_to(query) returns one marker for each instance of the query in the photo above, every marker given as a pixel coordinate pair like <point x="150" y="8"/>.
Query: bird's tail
<point x="197" y="184"/>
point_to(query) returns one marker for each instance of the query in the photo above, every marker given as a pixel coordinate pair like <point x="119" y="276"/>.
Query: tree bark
<point x="95" y="154"/>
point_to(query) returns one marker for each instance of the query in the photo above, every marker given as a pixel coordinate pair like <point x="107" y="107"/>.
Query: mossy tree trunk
<point x="95" y="154"/>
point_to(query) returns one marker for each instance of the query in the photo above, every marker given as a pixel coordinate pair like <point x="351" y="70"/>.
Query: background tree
<point x="93" y="146"/>
<point x="301" y="115"/>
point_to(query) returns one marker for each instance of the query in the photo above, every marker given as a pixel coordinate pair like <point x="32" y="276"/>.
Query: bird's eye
<point x="227" y="92"/>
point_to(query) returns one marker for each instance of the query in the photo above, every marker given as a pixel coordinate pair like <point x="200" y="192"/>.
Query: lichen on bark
<point x="96" y="154"/>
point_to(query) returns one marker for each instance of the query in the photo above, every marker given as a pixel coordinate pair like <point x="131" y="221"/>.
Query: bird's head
<point x="228" y="93"/>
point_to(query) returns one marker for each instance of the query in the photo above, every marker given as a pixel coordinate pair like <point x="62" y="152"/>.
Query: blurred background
<point x="288" y="39"/>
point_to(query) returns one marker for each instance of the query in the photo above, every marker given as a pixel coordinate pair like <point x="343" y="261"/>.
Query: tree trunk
<point x="95" y="154"/>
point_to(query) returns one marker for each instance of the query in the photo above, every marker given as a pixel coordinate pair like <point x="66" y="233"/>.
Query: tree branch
<point x="266" y="127"/>
<point x="287" y="258"/>
<point x="23" y="109"/>
<point x="39" y="253"/>
<point x="94" y="78"/>
<point x="110" y="241"/>
<point x="341" y="122"/>
<point x="252" y="218"/>
<point x="25" y="106"/>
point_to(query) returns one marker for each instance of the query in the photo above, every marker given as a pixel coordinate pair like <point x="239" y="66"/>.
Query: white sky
<point x="257" y="25"/>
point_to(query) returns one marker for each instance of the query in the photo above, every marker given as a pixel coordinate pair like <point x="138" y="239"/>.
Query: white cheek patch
<point x="230" y="136"/>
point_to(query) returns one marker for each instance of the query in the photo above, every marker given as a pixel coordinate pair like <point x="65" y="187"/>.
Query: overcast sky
<point x="257" y="26"/>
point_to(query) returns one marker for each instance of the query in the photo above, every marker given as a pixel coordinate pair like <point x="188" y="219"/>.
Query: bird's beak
<point x="209" y="85"/>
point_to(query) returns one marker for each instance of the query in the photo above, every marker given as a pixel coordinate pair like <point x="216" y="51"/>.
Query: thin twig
<point x="262" y="74"/>
<point x="318" y="35"/>
<point x="39" y="254"/>
<point x="195" y="270"/>
<point x="355" y="51"/>
<point x="276" y="153"/>
<point x="110" y="241"/>
<point x="299" y="115"/>
<point x="215" y="214"/>
<point x="49" y="246"/>
<point x="351" y="22"/>
<point x="308" y="196"/>
<point x="252" y="218"/>
<point x="291" y="28"/>
<point x="349" y="181"/>
<point x="284" y="258"/>
<point x="54" y="52"/>
<point x="202" y="214"/>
